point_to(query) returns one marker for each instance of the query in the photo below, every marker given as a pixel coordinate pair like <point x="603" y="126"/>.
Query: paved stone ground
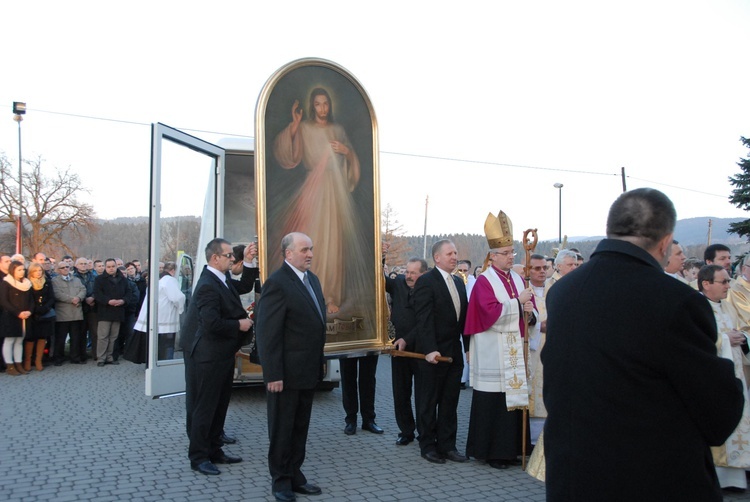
<point x="87" y="433"/>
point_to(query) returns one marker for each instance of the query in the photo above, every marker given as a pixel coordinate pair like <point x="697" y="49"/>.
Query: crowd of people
<point x="89" y="306"/>
<point x="616" y="349"/>
<point x="636" y="359"/>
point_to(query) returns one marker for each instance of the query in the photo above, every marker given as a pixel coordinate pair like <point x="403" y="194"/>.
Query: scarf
<point x="22" y="285"/>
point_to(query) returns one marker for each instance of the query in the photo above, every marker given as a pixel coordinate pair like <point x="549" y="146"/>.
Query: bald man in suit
<point x="290" y="332"/>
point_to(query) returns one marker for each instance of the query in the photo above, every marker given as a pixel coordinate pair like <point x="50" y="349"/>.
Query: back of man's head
<point x="643" y="216"/>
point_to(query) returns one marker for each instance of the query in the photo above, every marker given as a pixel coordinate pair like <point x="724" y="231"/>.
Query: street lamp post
<point x="559" y="212"/>
<point x="19" y="109"/>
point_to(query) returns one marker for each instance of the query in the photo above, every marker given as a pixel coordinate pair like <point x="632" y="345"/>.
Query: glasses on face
<point x="539" y="268"/>
<point x="506" y="253"/>
<point x="463" y="270"/>
<point x="724" y="282"/>
<point x="227" y="255"/>
<point x="65" y="267"/>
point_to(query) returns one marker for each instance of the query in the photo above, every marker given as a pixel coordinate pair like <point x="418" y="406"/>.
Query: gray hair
<point x="422" y="263"/>
<point x="642" y="216"/>
<point x="565" y="253"/>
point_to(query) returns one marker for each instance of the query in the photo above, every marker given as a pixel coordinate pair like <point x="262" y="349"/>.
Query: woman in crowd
<point x="43" y="321"/>
<point x="17" y="305"/>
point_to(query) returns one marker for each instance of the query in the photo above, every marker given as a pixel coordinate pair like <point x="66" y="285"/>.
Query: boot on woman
<point x="28" y="348"/>
<point x="19" y="368"/>
<point x="39" y="354"/>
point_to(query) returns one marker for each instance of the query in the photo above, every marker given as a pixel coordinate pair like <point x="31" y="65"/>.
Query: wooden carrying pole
<point x="529" y="246"/>
<point x="417" y="355"/>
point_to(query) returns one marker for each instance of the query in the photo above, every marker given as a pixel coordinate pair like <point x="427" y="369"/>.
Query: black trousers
<point x="402" y="377"/>
<point x="74" y="329"/>
<point x="438" y="388"/>
<point x="91" y="323"/>
<point x="209" y="393"/>
<point x="358" y="388"/>
<point x="288" y="422"/>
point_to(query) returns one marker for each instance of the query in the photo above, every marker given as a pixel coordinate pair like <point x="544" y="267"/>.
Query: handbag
<point x="50" y="314"/>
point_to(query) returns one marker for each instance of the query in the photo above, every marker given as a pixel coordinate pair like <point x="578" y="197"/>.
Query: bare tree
<point x="50" y="206"/>
<point x="393" y="234"/>
<point x="179" y="234"/>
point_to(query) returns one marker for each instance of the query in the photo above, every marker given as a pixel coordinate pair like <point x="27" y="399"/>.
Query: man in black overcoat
<point x="403" y="369"/>
<point x="440" y="303"/>
<point x="290" y="334"/>
<point x="634" y="389"/>
<point x="211" y="337"/>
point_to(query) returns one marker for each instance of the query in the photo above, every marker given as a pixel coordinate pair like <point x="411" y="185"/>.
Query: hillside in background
<point x="127" y="238"/>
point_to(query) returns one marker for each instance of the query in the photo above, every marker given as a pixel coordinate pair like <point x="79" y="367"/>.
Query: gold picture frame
<point x="317" y="172"/>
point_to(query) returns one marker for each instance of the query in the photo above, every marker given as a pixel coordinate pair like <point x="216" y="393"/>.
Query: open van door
<point x="180" y="166"/>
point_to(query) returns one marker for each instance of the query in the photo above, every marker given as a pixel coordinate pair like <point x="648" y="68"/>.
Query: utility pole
<point x="624" y="187"/>
<point x="19" y="109"/>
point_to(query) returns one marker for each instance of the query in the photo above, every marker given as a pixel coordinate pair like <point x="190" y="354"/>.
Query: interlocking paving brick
<point x="100" y="438"/>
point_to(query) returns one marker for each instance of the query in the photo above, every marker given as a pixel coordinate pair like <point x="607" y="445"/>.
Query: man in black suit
<point x="290" y="333"/>
<point x="211" y="338"/>
<point x="403" y="369"/>
<point x="440" y="302"/>
<point x="634" y="390"/>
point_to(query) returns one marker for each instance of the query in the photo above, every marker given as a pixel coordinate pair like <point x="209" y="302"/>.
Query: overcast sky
<point x="464" y="94"/>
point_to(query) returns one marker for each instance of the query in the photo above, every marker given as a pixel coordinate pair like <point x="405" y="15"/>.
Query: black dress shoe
<point x="350" y="429"/>
<point x="227" y="439"/>
<point x="734" y="489"/>
<point x="454" y="456"/>
<point x="100" y="364"/>
<point x="285" y="496"/>
<point x="372" y="427"/>
<point x="223" y="458"/>
<point x="207" y="468"/>
<point x="404" y="440"/>
<point x="308" y="489"/>
<point x="432" y="456"/>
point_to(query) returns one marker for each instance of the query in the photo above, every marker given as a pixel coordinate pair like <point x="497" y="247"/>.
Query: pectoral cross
<point x="739" y="441"/>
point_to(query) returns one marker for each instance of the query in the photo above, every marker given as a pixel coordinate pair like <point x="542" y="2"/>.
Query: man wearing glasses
<point x="538" y="333"/>
<point x="215" y="322"/>
<point x="731" y="459"/>
<point x="70" y="294"/>
<point x="495" y="329"/>
<point x="462" y="271"/>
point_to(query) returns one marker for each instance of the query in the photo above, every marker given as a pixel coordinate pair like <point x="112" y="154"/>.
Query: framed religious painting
<point x="316" y="170"/>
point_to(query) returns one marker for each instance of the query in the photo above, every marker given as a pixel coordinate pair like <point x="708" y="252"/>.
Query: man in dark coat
<point x="215" y="322"/>
<point x="291" y="334"/>
<point x="440" y="303"/>
<point x="111" y="291"/>
<point x="403" y="369"/>
<point x="634" y="389"/>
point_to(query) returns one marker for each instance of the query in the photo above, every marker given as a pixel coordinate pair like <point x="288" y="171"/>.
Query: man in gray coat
<point x="70" y="294"/>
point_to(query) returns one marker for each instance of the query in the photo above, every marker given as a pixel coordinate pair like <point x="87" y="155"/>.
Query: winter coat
<point x="14" y="299"/>
<point x="65" y="291"/>
<point x="111" y="287"/>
